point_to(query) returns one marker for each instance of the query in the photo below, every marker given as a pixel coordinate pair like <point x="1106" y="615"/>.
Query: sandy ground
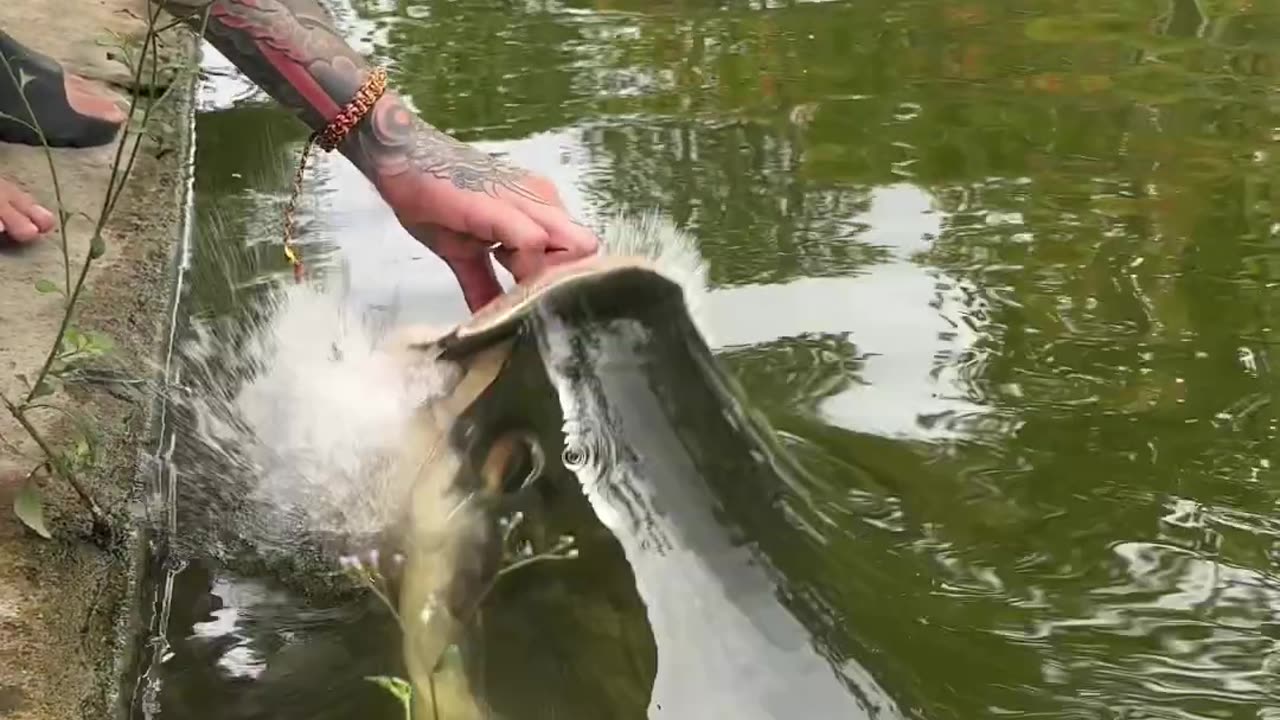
<point x="62" y="602"/>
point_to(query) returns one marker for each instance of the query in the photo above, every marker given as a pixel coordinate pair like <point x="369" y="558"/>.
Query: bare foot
<point x="21" y="219"/>
<point x="90" y="100"/>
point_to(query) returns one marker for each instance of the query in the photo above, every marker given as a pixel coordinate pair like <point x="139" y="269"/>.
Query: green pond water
<point x="1002" y="276"/>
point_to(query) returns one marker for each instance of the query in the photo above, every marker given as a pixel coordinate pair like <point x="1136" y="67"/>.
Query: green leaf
<point x="99" y="343"/>
<point x="75" y="338"/>
<point x="86" y="452"/>
<point x="46" y="286"/>
<point x="28" y="505"/>
<point x="97" y="247"/>
<point x="44" y="388"/>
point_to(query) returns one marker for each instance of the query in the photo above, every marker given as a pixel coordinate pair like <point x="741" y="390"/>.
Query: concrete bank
<point x="67" y="604"/>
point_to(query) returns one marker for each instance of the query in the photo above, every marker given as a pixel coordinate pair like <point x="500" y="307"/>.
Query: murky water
<point x="1001" y="278"/>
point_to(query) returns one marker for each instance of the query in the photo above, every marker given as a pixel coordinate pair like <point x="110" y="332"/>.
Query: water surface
<point x="1002" y="279"/>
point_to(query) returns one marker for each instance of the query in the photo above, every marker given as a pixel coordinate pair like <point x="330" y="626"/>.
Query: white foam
<point x="675" y="253"/>
<point x="304" y="412"/>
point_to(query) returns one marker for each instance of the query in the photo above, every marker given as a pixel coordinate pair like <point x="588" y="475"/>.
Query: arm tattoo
<point x="292" y="51"/>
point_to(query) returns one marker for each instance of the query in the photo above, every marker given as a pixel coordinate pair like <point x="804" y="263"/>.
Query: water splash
<point x="293" y="422"/>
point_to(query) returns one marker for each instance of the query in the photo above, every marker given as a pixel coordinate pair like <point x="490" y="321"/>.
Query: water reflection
<point x="1002" y="277"/>
<point x="248" y="649"/>
<point x="913" y="384"/>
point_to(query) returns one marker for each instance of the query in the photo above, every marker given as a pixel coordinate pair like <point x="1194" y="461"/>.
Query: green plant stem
<point x="59" y="464"/>
<point x="62" y="328"/>
<point x="115" y="187"/>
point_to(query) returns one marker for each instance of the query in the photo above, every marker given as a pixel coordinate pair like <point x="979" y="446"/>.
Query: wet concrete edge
<point x="134" y="613"/>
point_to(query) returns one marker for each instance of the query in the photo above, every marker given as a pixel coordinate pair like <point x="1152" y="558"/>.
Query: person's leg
<point x="35" y="91"/>
<point x="70" y="112"/>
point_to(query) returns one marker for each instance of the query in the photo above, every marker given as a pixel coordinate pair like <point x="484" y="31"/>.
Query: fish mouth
<point x="462" y="478"/>
<point x="515" y="461"/>
<point x="475" y="541"/>
<point x="447" y="576"/>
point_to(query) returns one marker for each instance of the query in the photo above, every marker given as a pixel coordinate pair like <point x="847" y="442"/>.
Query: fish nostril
<point x="574" y="456"/>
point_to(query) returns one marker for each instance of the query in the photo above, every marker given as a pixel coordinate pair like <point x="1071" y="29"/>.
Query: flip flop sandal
<point x="41" y="80"/>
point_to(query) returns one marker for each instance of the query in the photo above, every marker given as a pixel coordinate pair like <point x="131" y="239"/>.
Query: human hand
<point x="464" y="204"/>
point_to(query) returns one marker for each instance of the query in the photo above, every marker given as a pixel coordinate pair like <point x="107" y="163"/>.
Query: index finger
<point x="564" y="234"/>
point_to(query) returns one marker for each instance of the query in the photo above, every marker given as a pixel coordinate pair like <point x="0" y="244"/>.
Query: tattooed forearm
<point x="292" y="51"/>
<point x="407" y="144"/>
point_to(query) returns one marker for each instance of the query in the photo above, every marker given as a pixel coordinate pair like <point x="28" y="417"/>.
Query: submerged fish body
<point x="446" y="544"/>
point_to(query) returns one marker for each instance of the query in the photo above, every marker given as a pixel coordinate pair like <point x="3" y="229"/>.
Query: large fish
<point x="593" y="389"/>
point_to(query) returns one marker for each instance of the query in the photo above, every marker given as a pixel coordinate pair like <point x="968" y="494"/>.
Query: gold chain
<point x="329" y="138"/>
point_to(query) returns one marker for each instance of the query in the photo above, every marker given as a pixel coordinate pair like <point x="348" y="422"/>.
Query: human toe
<point x="16" y="225"/>
<point x="43" y="220"/>
<point x="22" y="219"/>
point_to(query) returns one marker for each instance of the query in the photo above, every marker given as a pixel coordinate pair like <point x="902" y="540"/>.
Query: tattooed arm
<point x="451" y="196"/>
